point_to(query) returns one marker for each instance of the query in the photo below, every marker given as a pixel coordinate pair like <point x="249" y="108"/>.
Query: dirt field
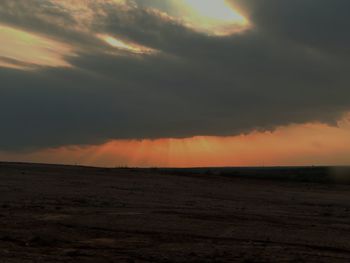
<point x="77" y="214"/>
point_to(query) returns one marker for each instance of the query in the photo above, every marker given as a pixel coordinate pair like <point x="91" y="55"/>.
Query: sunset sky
<point x="175" y="83"/>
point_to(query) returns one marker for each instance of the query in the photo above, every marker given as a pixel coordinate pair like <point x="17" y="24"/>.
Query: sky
<point x="175" y="83"/>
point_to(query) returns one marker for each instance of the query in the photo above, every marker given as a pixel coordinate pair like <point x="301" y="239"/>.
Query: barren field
<point x="78" y="214"/>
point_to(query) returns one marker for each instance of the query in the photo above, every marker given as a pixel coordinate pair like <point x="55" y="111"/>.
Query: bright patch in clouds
<point x="23" y="50"/>
<point x="126" y="46"/>
<point x="215" y="17"/>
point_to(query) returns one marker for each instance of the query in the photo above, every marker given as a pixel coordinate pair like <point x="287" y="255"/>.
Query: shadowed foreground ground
<point x="77" y="214"/>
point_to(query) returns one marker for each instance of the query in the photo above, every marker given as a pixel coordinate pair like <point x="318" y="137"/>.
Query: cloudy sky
<point x="175" y="82"/>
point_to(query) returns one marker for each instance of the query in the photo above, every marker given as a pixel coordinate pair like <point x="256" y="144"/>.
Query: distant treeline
<point x="315" y="174"/>
<point x="312" y="174"/>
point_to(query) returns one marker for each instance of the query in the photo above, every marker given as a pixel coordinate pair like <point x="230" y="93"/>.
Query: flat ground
<point x="77" y="214"/>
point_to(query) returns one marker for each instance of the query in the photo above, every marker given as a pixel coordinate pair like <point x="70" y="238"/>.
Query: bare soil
<point x="79" y="214"/>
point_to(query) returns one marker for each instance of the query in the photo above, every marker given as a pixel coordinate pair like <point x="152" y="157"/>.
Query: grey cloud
<point x="319" y="24"/>
<point x="283" y="70"/>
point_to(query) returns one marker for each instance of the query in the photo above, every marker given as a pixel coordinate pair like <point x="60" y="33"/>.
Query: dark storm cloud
<point x="290" y="67"/>
<point x="319" y="24"/>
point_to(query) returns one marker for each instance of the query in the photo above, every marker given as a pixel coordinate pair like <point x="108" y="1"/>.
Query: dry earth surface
<point x="79" y="214"/>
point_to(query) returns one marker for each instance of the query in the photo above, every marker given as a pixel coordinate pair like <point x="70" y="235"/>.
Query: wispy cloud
<point x="24" y="50"/>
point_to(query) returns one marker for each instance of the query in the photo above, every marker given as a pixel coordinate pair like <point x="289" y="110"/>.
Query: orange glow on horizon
<point x="306" y="144"/>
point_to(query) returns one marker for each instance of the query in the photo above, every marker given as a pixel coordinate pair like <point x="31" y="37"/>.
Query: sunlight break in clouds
<point x="23" y="50"/>
<point x="213" y="17"/>
<point x="126" y="46"/>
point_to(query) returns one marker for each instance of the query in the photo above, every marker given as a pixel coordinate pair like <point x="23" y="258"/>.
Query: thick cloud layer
<point x="291" y="66"/>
